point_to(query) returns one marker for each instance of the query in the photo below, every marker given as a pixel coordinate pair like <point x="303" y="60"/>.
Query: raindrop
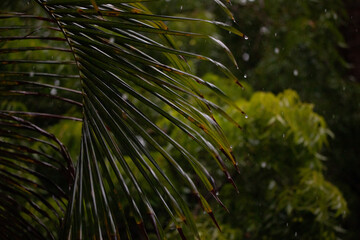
<point x="217" y="193"/>
<point x="287" y="224"/>
<point x="245" y="75"/>
<point x="263" y="164"/>
<point x="272" y="184"/>
<point x="243" y="2"/>
<point x="275" y="34"/>
<point x="246" y="116"/>
<point x="57" y="82"/>
<point x="31" y="74"/>
<point x="296" y="72"/>
<point x="246" y="57"/>
<point x="283" y="135"/>
<point x="53" y="91"/>
<point x="276" y="50"/>
<point x="246" y="37"/>
<point x="181" y="7"/>
<point x="112" y="40"/>
<point x="325" y="10"/>
<point x="295" y="234"/>
<point x="52" y="57"/>
<point x="264" y="30"/>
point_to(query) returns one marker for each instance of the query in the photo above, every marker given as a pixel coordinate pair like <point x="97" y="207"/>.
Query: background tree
<point x="300" y="45"/>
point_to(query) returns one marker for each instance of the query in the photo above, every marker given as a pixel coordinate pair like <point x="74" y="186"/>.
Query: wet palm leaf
<point x="113" y="65"/>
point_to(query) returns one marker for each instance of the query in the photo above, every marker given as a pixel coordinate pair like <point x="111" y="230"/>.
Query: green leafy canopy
<point x="107" y="68"/>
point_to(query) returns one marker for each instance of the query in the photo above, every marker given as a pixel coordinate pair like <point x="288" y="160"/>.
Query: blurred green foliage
<point x="297" y="45"/>
<point x="29" y="69"/>
<point x="282" y="190"/>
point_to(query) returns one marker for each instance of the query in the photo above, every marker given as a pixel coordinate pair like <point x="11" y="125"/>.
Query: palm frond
<point x="116" y="69"/>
